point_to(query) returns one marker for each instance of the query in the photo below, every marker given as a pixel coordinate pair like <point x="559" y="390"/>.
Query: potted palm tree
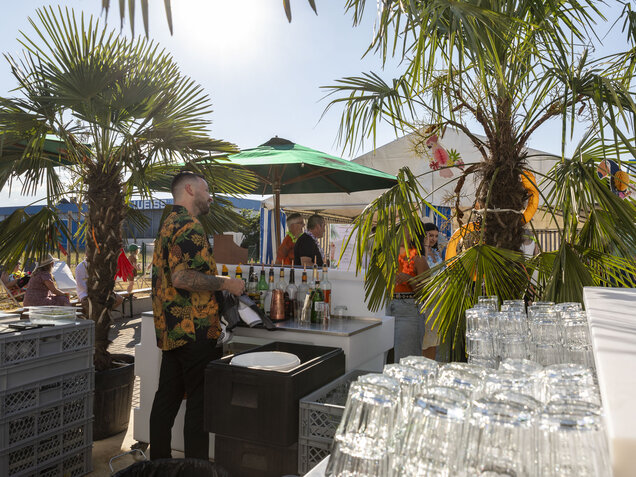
<point x="505" y="69"/>
<point x="125" y="120"/>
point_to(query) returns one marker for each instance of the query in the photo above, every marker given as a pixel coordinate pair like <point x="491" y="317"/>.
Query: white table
<point x="612" y="320"/>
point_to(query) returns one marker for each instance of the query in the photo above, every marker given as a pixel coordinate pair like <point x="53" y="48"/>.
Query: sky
<point x="263" y="74"/>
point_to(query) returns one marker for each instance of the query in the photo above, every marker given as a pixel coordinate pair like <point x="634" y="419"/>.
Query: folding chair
<point x="11" y="295"/>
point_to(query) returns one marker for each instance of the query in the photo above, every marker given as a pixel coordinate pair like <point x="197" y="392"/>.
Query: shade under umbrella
<point x="283" y="167"/>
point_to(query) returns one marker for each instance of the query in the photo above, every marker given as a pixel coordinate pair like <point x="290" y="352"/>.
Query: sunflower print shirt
<point x="182" y="316"/>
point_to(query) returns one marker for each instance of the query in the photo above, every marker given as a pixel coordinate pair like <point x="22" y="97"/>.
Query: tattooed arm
<point x="194" y="281"/>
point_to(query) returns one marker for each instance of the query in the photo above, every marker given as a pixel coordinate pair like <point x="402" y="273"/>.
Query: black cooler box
<point x="262" y="406"/>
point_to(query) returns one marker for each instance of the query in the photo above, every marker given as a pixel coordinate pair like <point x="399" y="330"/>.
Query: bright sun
<point x="227" y="30"/>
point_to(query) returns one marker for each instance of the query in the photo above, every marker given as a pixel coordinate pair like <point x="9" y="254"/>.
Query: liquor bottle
<point x="291" y="292"/>
<point x="281" y="284"/>
<point x="315" y="281"/>
<point x="325" y="286"/>
<point x="303" y="288"/>
<point x="252" y="285"/>
<point x="224" y="271"/>
<point x="238" y="273"/>
<point x="263" y="288"/>
<point x="317" y="305"/>
<point x="271" y="286"/>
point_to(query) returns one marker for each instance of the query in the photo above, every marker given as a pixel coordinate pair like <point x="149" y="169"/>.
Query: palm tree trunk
<point x="501" y="188"/>
<point x="103" y="245"/>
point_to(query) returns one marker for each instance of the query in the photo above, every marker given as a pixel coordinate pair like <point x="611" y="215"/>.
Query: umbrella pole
<point x="277" y="218"/>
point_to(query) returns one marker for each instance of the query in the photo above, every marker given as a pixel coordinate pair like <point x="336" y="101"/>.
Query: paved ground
<point x="125" y="335"/>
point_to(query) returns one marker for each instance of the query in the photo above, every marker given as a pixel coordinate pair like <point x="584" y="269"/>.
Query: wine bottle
<point x="291" y="292"/>
<point x="271" y="286"/>
<point x="303" y="288"/>
<point x="281" y="284"/>
<point x="263" y="288"/>
<point x="224" y="271"/>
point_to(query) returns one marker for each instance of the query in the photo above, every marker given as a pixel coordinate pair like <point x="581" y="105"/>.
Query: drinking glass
<point x="513" y="347"/>
<point x="391" y="384"/>
<point x="523" y="365"/>
<point x="572" y="443"/>
<point x="575" y="329"/>
<point x="433" y="437"/>
<point x="479" y="320"/>
<point x="412" y="382"/>
<point x="514" y="305"/>
<point x="491" y="301"/>
<point x="463" y="376"/>
<point x="546" y="353"/>
<point x="514" y="381"/>
<point x="569" y="306"/>
<point x="499" y="440"/>
<point x="545" y="327"/>
<point x="512" y="323"/>
<point x="345" y="461"/>
<point x="480" y="345"/>
<point x="488" y="363"/>
<point x="368" y="420"/>
<point x="426" y="366"/>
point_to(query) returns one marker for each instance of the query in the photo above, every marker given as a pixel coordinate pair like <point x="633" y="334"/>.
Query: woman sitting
<point x="42" y="290"/>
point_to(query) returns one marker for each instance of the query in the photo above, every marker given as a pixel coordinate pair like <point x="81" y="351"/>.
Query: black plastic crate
<point x="262" y="406"/>
<point x="253" y="459"/>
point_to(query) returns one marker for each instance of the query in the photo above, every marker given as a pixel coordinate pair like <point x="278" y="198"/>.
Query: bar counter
<point x="365" y="339"/>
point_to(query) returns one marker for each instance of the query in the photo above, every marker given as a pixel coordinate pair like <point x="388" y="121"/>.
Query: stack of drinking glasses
<point x="526" y="404"/>
<point x="548" y="333"/>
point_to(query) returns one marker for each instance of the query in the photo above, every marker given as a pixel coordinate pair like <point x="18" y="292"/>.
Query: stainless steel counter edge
<point x="347" y="326"/>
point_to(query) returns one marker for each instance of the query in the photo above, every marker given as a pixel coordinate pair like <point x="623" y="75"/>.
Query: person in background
<point x="16" y="281"/>
<point x="307" y="246"/>
<point x="133" y="251"/>
<point x="42" y="289"/>
<point x="409" y="322"/>
<point x="186" y="314"/>
<point x="81" y="277"/>
<point x="529" y="247"/>
<point x="285" y="253"/>
<point x="433" y="258"/>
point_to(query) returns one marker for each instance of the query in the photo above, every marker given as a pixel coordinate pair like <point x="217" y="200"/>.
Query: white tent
<point x="400" y="153"/>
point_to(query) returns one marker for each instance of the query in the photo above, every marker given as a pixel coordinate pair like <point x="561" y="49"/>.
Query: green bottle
<point x="317" y="304"/>
<point x="263" y="288"/>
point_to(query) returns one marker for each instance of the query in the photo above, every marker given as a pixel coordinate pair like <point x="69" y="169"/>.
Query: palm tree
<point x="507" y="68"/>
<point x="127" y="120"/>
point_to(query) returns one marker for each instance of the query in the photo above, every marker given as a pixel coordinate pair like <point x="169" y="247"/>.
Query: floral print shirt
<point x="182" y="316"/>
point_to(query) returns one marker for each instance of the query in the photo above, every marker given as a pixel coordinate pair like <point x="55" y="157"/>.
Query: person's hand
<point x="402" y="277"/>
<point x="235" y="286"/>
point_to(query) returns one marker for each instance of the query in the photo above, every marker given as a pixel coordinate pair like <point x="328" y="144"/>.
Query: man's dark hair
<point x="182" y="177"/>
<point x="314" y="220"/>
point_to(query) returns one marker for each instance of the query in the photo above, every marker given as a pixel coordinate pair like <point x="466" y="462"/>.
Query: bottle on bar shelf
<point x="291" y="292"/>
<point x="303" y="289"/>
<point x="224" y="271"/>
<point x="325" y="286"/>
<point x="317" y="304"/>
<point x="263" y="288"/>
<point x="282" y="283"/>
<point x="252" y="285"/>
<point x="238" y="273"/>
<point x="271" y="286"/>
<point x="314" y="276"/>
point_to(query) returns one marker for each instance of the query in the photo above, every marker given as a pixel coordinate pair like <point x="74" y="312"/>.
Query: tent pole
<point x="277" y="217"/>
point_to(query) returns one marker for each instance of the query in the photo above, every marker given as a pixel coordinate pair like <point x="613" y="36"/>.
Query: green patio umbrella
<point x="283" y="167"/>
<point x="53" y="148"/>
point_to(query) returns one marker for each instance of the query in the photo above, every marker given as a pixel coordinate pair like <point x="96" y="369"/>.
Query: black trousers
<point x="182" y="372"/>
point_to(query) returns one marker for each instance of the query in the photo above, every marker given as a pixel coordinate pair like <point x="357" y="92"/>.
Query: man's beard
<point x="203" y="206"/>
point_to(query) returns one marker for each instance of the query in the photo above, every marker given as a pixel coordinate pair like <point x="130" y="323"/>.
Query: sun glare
<point x="231" y="31"/>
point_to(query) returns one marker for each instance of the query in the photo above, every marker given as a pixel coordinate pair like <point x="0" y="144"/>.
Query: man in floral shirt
<point x="186" y="316"/>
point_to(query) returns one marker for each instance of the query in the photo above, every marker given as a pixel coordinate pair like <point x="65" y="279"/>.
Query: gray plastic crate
<point x="75" y="464"/>
<point x="47" y="420"/>
<point x="32" y="372"/>
<point x="38" y="455"/>
<point x="29" y="345"/>
<point x="310" y="453"/>
<point x="46" y="392"/>
<point x="321" y="411"/>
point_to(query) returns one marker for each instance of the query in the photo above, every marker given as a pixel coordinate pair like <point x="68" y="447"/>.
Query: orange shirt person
<point x="285" y="253"/>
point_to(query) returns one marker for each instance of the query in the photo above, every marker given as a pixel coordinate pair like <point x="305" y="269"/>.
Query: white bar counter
<point x="612" y="321"/>
<point x="365" y="339"/>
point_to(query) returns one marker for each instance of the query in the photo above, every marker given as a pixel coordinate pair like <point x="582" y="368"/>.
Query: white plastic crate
<point x="29" y="345"/>
<point x="310" y="453"/>
<point x="42" y="454"/>
<point x="45" y="421"/>
<point x="45" y="392"/>
<point x="31" y="372"/>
